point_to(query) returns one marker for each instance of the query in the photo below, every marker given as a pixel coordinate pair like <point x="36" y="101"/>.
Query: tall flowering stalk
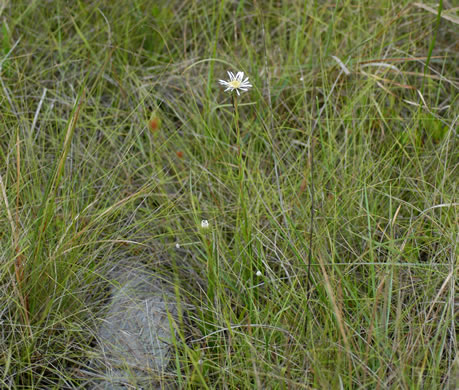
<point x="236" y="84"/>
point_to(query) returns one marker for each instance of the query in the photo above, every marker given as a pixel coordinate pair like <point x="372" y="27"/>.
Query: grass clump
<point x="117" y="141"/>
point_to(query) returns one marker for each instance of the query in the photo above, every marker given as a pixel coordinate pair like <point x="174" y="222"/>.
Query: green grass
<point x="85" y="182"/>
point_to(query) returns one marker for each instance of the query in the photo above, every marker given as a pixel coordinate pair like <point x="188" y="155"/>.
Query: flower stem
<point x="236" y="124"/>
<point x="247" y="267"/>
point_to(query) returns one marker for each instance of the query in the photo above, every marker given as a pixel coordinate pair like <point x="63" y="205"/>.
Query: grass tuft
<point x="116" y="141"/>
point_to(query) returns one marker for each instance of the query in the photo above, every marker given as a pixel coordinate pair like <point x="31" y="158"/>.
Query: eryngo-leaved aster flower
<point x="236" y="82"/>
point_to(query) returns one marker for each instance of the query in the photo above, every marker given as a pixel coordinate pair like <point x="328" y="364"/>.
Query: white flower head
<point x="205" y="224"/>
<point x="177" y="245"/>
<point x="259" y="273"/>
<point x="236" y="83"/>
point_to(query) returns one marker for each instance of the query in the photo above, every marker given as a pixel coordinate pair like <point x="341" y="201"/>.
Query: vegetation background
<point x="116" y="141"/>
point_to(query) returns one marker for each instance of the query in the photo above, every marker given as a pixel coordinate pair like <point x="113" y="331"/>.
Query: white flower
<point x="235" y="83"/>
<point x="177" y="245"/>
<point x="205" y="224"/>
<point x="258" y="273"/>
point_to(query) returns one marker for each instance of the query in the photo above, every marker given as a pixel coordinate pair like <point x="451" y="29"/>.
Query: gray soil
<point x="134" y="336"/>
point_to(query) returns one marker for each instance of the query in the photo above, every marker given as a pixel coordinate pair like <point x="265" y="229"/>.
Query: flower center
<point x="235" y="83"/>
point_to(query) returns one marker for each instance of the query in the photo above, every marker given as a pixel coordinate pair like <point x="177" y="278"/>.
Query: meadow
<point x="330" y="187"/>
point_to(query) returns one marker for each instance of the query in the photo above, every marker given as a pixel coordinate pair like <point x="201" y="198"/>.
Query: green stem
<point x="236" y="124"/>
<point x="249" y="269"/>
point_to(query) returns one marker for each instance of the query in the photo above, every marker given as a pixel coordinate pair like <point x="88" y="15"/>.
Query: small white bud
<point x="205" y="224"/>
<point x="200" y="362"/>
<point x="177" y="245"/>
<point x="258" y="273"/>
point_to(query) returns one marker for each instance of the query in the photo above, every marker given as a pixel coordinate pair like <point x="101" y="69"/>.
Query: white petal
<point x="238" y="92"/>
<point x="240" y="76"/>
